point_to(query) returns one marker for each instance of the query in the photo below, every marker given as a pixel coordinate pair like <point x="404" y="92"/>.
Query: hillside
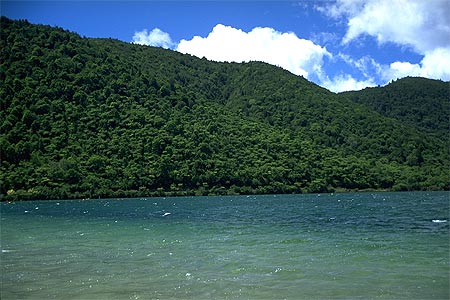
<point x="84" y="118"/>
<point x="420" y="102"/>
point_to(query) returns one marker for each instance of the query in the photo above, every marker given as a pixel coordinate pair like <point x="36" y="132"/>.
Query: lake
<point x="328" y="246"/>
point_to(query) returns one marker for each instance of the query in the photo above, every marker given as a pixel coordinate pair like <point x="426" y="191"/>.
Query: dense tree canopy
<point x="83" y="118"/>
<point x="420" y="102"/>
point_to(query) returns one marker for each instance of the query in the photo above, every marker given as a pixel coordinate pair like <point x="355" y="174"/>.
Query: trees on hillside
<point x="100" y="118"/>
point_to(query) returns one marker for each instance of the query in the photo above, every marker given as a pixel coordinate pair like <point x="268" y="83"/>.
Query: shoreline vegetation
<point x="13" y="196"/>
<point x="100" y="118"/>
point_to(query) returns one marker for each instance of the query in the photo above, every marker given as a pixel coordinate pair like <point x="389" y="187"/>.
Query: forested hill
<point x="417" y="101"/>
<point x="85" y="118"/>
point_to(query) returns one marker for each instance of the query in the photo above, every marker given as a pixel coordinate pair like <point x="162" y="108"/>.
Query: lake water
<point x="329" y="246"/>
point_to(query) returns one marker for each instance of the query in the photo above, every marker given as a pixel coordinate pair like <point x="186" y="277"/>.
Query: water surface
<point x="329" y="246"/>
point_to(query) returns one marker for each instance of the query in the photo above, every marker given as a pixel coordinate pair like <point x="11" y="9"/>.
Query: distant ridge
<point x="85" y="118"/>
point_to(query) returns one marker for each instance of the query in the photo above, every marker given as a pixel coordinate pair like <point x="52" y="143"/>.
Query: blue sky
<point x="341" y="45"/>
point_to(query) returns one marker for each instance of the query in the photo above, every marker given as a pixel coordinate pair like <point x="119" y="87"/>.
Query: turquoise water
<point x="329" y="246"/>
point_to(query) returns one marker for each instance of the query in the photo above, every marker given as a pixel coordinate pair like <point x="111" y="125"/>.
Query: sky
<point x="339" y="44"/>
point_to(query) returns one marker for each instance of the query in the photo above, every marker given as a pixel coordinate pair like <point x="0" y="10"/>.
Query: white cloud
<point x="423" y="26"/>
<point x="435" y="64"/>
<point x="366" y="64"/>
<point x="156" y="37"/>
<point x="345" y="82"/>
<point x="225" y="43"/>
<point x="341" y="8"/>
<point x="400" y="69"/>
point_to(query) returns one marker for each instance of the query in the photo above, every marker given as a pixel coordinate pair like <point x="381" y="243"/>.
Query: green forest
<point x="89" y="118"/>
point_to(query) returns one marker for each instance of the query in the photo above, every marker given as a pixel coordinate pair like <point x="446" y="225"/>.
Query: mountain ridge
<point x="86" y="118"/>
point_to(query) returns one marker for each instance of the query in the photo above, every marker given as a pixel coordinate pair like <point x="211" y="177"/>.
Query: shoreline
<point x="9" y="199"/>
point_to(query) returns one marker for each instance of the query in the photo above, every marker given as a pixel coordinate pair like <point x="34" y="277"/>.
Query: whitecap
<point x="438" y="221"/>
<point x="166" y="214"/>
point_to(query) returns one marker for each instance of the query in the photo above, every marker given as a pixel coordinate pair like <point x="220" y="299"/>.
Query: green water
<point x="333" y="246"/>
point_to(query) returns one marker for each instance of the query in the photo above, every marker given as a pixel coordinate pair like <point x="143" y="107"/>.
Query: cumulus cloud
<point x="400" y="69"/>
<point x="435" y="64"/>
<point x="345" y="82"/>
<point x="225" y="43"/>
<point x="156" y="37"/>
<point x="423" y="26"/>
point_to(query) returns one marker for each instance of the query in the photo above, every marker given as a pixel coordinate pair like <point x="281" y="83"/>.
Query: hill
<point x="84" y="118"/>
<point x="420" y="102"/>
